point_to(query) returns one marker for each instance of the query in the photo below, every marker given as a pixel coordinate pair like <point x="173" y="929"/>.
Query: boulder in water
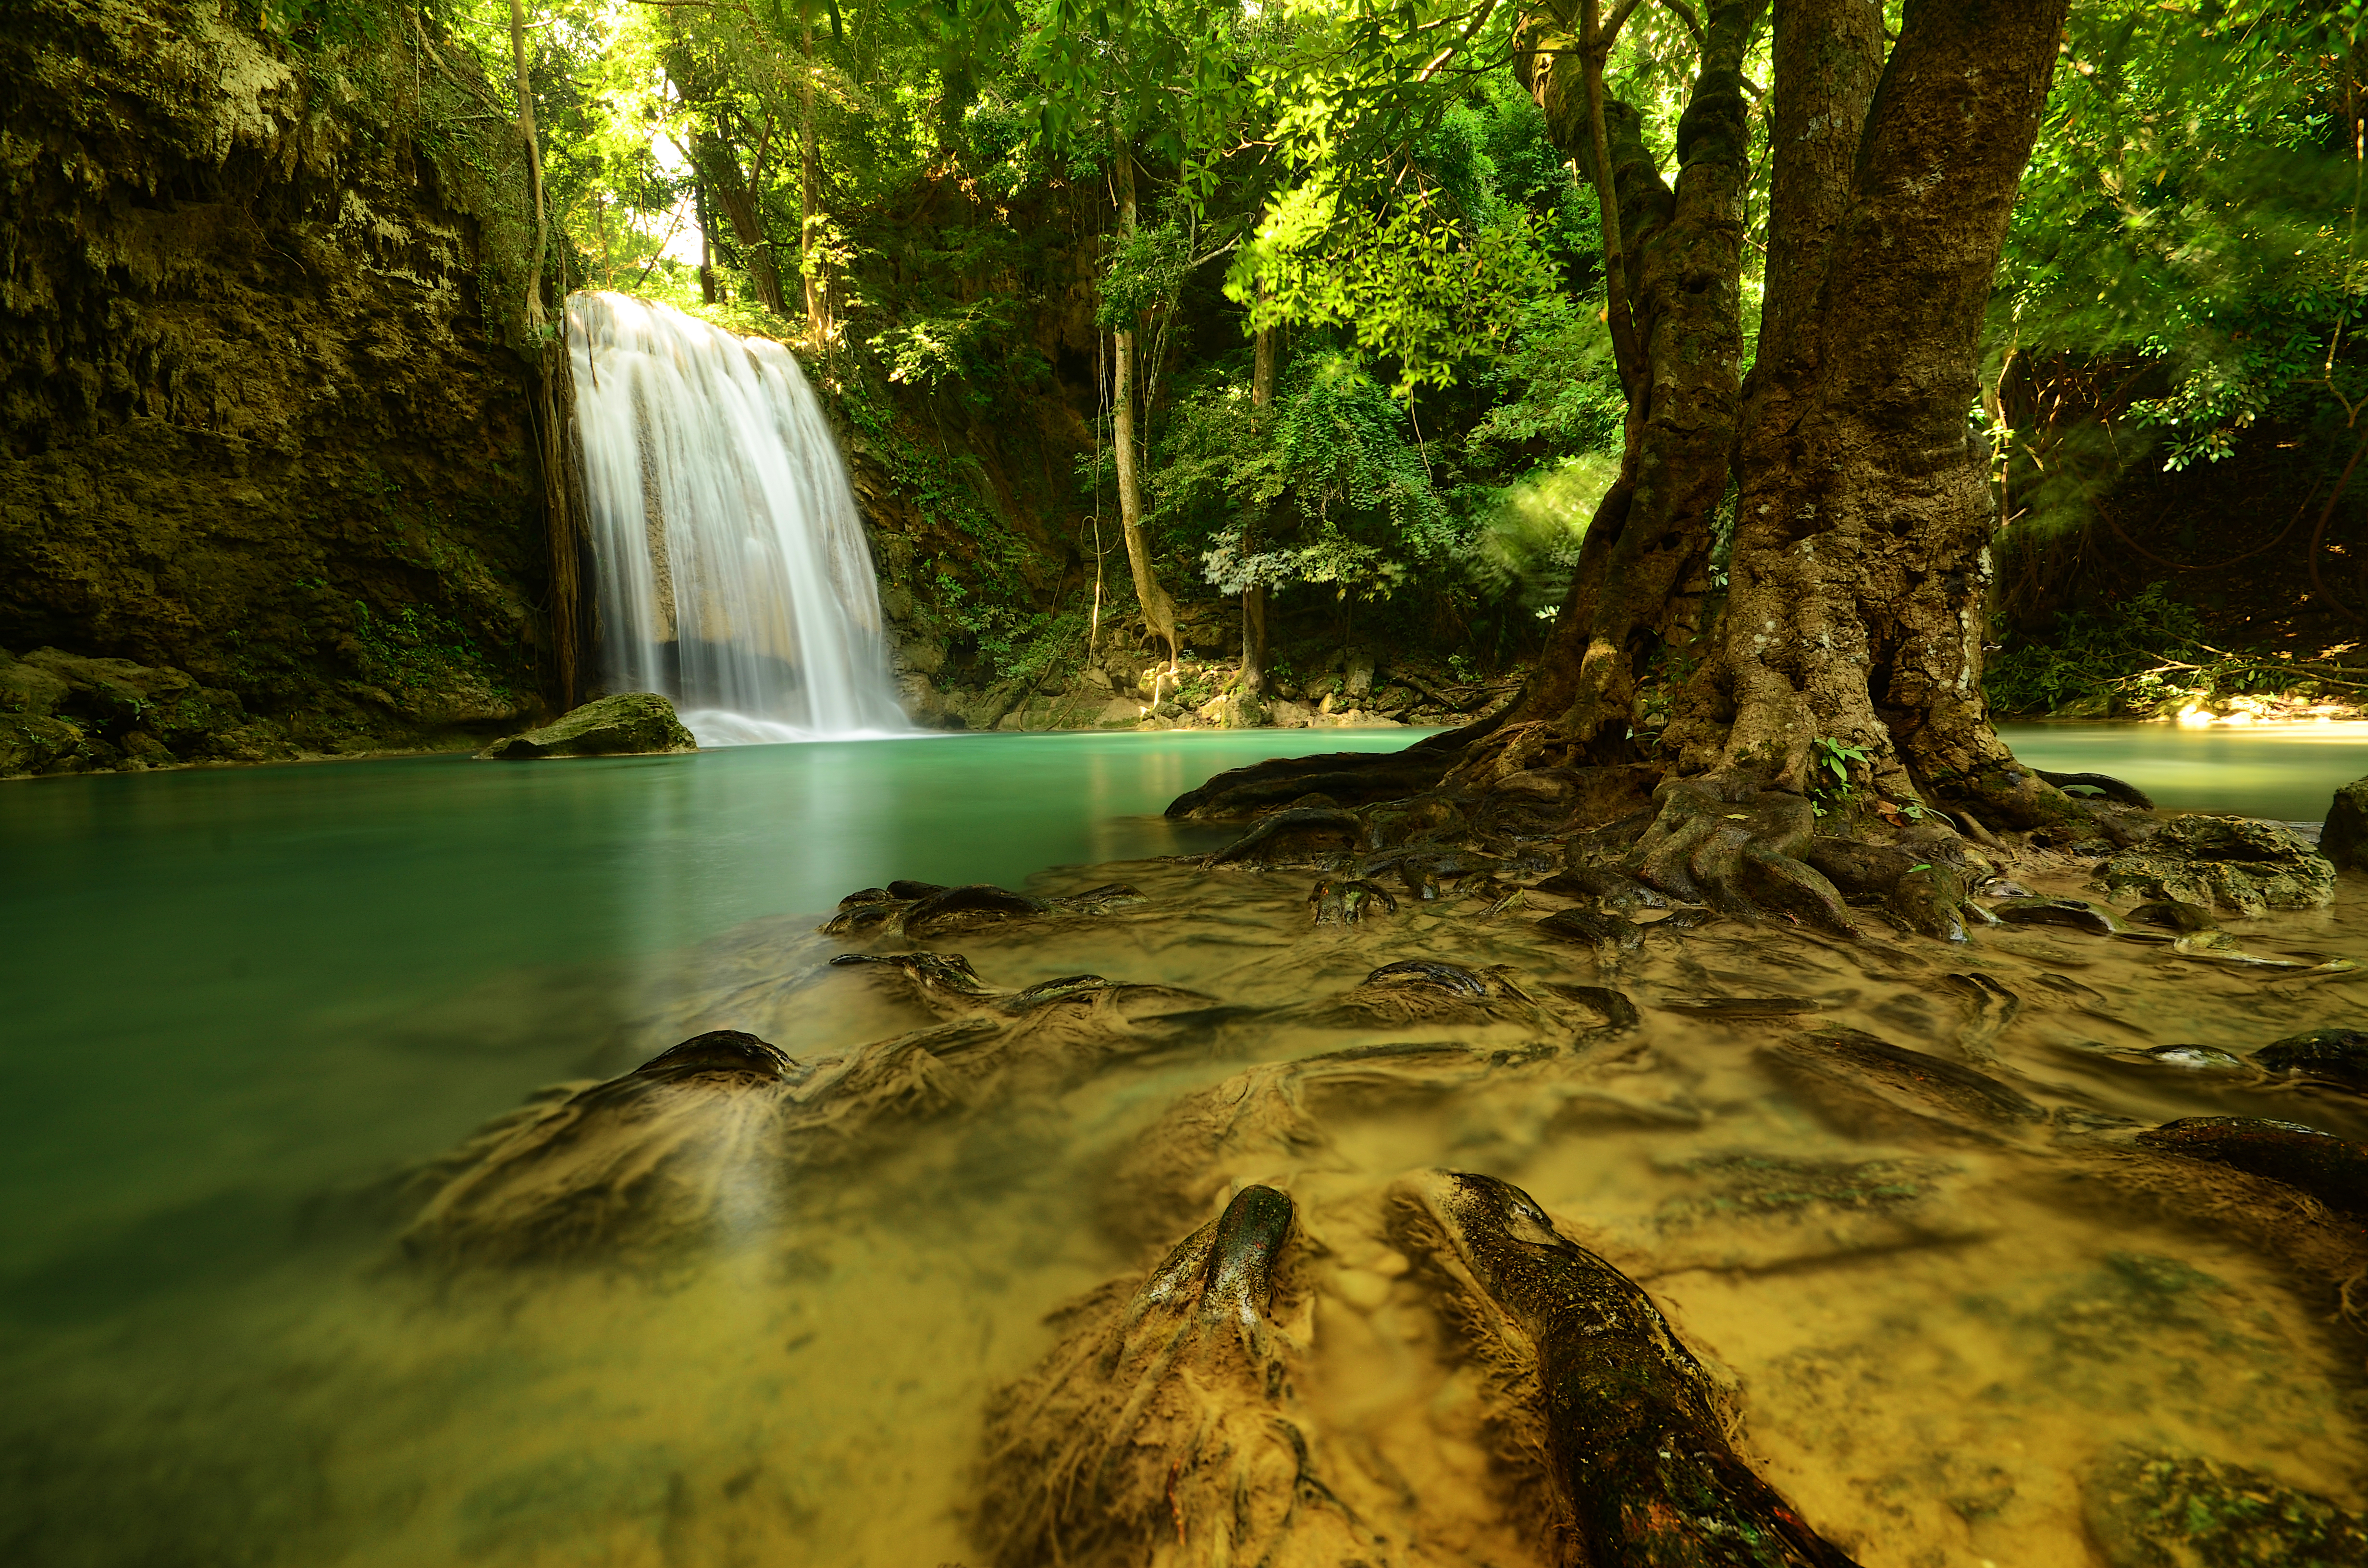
<point x="631" y="723"/>
<point x="2239" y="865"/>
<point x="2345" y="839"/>
<point x="2335" y="1056"/>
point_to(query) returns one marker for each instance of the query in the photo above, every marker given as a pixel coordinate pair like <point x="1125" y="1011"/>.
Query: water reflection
<point x="2286" y="772"/>
<point x="307" y="970"/>
<point x="242" y="998"/>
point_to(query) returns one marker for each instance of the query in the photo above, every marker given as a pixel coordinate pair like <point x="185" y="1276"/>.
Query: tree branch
<point x="1479" y="20"/>
<point x="1685" y="14"/>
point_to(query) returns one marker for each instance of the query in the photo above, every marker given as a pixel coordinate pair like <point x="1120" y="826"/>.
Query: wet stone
<point x="2335" y="1056"/>
<point x="2074" y="914"/>
<point x="1348" y="902"/>
<point x="2164" y="1511"/>
<point x="2333" y="1170"/>
<point x="2235" y="865"/>
<point x="1586" y="925"/>
<point x="2174" y="915"/>
<point x="2195" y="1059"/>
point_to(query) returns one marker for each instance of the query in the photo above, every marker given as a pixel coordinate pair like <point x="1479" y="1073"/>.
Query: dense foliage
<point x="918" y="192"/>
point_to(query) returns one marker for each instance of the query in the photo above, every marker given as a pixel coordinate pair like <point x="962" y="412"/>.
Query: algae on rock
<point x="631" y="723"/>
<point x="2237" y="865"/>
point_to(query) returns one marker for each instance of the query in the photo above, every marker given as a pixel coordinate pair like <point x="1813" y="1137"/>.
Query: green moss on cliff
<point x="262" y="414"/>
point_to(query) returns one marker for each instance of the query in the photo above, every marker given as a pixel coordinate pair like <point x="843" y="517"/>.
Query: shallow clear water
<point x="238" y="997"/>
<point x="290" y="966"/>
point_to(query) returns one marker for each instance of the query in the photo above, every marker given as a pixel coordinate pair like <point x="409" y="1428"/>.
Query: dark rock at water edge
<point x="2333" y="1170"/>
<point x="631" y="723"/>
<point x="2334" y="1055"/>
<point x="2344" y="839"/>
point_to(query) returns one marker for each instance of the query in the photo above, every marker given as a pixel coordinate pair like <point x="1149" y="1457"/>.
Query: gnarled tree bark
<point x="1861" y="538"/>
<point x="1640" y="575"/>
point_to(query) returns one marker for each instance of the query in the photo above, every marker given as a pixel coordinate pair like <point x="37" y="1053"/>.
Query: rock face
<point x="631" y="723"/>
<point x="260" y="426"/>
<point x="2237" y="865"/>
<point x="2345" y="839"/>
<point x="60" y="713"/>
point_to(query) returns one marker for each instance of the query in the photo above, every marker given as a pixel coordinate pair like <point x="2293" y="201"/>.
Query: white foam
<point x="733" y="571"/>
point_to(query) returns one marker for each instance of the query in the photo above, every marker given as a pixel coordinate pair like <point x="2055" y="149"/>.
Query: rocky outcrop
<point x="2344" y="839"/>
<point x="2235" y="865"/>
<point x="261" y="428"/>
<point x="60" y="713"/>
<point x="631" y="723"/>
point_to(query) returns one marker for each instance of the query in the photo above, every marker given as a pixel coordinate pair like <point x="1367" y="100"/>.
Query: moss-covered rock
<point x="2237" y="865"/>
<point x="60" y="712"/>
<point x="2153" y="1511"/>
<point x="628" y="724"/>
<point x="33" y="743"/>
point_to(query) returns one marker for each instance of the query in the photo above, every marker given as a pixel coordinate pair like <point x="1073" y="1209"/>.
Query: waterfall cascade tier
<point x="733" y="572"/>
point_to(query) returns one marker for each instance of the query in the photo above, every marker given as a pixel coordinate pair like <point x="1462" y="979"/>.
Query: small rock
<point x="2078" y="913"/>
<point x="1359" y="676"/>
<point x="1928" y="899"/>
<point x="2194" y="1058"/>
<point x="631" y="723"/>
<point x="2176" y="917"/>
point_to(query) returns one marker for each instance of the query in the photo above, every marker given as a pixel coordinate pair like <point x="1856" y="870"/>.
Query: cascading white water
<point x="733" y="571"/>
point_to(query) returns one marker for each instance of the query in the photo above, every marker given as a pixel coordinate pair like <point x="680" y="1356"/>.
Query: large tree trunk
<point x="1862" y="540"/>
<point x="1860" y="550"/>
<point x="1158" y="614"/>
<point x="1677" y="277"/>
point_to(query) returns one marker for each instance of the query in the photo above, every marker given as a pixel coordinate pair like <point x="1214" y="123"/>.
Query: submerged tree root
<point x="1635" y="1437"/>
<point x="1166" y="1428"/>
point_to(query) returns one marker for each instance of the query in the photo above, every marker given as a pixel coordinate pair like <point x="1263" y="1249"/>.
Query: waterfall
<point x="733" y="573"/>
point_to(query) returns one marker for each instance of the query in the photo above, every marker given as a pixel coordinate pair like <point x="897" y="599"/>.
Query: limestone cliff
<point x="263" y="434"/>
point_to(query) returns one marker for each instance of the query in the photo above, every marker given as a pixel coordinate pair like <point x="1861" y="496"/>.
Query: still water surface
<point x="236" y="998"/>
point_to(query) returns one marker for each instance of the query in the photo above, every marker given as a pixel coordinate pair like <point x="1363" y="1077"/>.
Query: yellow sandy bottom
<point x="1929" y="1372"/>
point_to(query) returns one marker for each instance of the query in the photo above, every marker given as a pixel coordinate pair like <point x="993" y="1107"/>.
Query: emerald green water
<point x="281" y="966"/>
<point x="234" y="996"/>
<point x="248" y="981"/>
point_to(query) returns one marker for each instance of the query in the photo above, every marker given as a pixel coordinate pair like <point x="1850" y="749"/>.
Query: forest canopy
<point x="1344" y="337"/>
